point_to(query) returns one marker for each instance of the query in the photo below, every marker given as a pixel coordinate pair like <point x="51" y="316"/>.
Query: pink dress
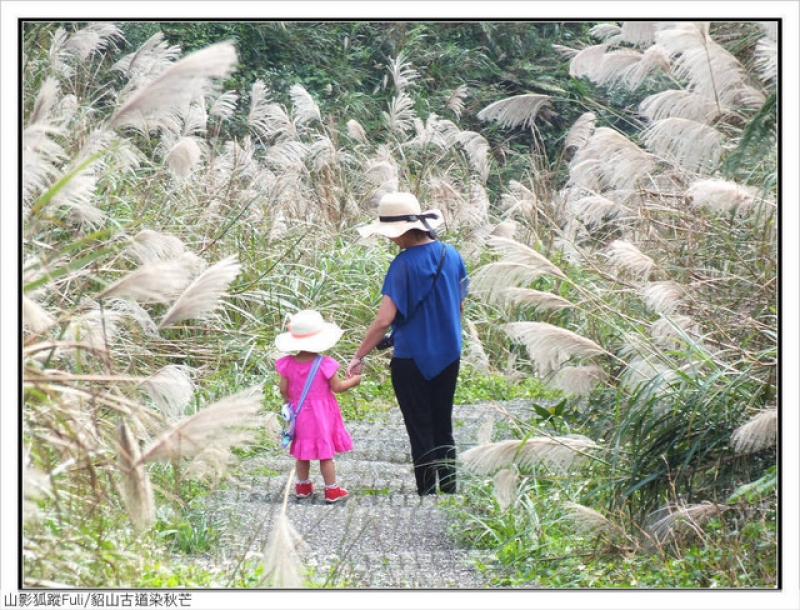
<point x="320" y="431"/>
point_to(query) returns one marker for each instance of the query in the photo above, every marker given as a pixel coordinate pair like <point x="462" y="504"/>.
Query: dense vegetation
<point x="612" y="187"/>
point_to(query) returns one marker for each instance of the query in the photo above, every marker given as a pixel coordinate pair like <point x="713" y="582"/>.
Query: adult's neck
<point x="409" y="240"/>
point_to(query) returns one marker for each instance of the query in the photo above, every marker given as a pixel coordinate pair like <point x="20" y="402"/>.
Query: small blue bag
<point x="289" y="415"/>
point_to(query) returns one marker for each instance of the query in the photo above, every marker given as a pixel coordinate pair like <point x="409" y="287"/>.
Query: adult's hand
<point x="355" y="367"/>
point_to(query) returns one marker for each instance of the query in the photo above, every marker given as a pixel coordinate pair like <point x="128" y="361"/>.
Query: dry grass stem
<point x="136" y="489"/>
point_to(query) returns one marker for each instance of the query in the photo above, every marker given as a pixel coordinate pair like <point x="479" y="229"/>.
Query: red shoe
<point x="334" y="494"/>
<point x="303" y="490"/>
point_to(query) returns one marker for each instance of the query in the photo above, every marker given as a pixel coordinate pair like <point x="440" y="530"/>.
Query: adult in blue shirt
<point x="423" y="299"/>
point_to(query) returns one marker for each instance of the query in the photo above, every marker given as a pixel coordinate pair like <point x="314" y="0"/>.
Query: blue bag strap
<point x="309" y="379"/>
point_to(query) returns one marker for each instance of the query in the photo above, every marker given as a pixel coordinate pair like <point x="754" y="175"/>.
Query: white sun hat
<point x="308" y="332"/>
<point x="399" y="213"/>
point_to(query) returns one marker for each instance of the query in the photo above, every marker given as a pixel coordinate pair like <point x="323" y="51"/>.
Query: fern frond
<point x="204" y="293"/>
<point x="517" y="111"/>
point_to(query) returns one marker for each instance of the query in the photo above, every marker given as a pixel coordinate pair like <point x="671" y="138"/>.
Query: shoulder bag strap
<point x="309" y="379"/>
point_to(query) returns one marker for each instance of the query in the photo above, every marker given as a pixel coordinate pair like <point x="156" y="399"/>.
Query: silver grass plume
<point x="486" y="431"/>
<point x="136" y="489"/>
<point x="627" y="256"/>
<point x="534" y="298"/>
<point x="578" y="380"/>
<point x="305" y="108"/>
<point x="676" y="522"/>
<point x="204" y="294"/>
<point x="722" y="196"/>
<point x="184" y="156"/>
<point x="153" y="282"/>
<point x="356" y="131"/>
<point x="589" y="521"/>
<point x="550" y="346"/>
<point x="177" y="85"/>
<point x="147" y="62"/>
<point x="400" y="117"/>
<point x="35" y="484"/>
<point x="224" y="105"/>
<point x="581" y="131"/>
<point x="283" y="565"/>
<point x="686" y="143"/>
<point x="94" y="38"/>
<point x="559" y="453"/>
<point x="35" y="317"/>
<point x="607" y="32"/>
<point x="505" y="488"/>
<point x="515" y="252"/>
<point x="492" y="279"/>
<point x="663" y="297"/>
<point x="150" y="246"/>
<point x="709" y="69"/>
<point x="171" y="388"/>
<point x="474" y="354"/>
<point x="640" y="33"/>
<point x="477" y="149"/>
<point x="227" y="422"/>
<point x="767" y="59"/>
<point x="455" y="101"/>
<point x="674" y="331"/>
<point x="516" y="111"/>
<point x="677" y="103"/>
<point x="761" y="432"/>
<point x="595" y="209"/>
<point x="402" y="72"/>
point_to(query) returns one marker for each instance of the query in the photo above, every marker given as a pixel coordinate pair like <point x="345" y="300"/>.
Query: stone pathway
<point x="384" y="535"/>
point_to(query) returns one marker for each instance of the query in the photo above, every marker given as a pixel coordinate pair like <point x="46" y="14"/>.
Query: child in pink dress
<point x="319" y="431"/>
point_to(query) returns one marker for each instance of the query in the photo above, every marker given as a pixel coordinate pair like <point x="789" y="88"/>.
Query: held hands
<point x="355" y="367"/>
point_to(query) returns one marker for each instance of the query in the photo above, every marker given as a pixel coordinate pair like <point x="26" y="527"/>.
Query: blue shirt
<point x="432" y="335"/>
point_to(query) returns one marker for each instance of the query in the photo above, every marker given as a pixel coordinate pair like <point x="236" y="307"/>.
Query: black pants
<point x="427" y="407"/>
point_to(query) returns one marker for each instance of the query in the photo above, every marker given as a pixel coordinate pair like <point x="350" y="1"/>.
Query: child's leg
<point x="302" y="469"/>
<point x="328" y="470"/>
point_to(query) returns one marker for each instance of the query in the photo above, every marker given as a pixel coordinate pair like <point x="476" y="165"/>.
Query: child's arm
<point x="283" y="386"/>
<point x="339" y="385"/>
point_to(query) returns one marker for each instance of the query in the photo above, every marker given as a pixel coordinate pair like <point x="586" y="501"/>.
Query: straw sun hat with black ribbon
<point x="398" y="213"/>
<point x="308" y="332"/>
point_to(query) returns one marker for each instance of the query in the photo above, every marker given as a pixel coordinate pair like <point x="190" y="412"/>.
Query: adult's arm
<point x="377" y="329"/>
